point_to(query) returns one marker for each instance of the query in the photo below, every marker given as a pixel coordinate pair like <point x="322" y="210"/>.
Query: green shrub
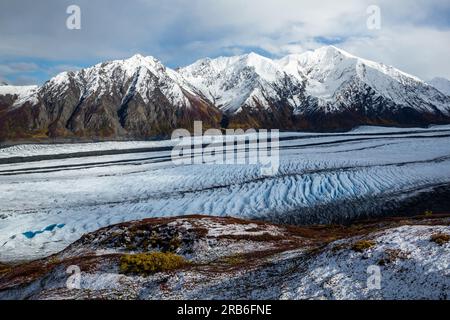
<point x="4" y="269"/>
<point x="53" y="260"/>
<point x="391" y="256"/>
<point x="363" y="245"/>
<point x="339" y="247"/>
<point x="149" y="263"/>
<point x="440" y="238"/>
<point x="234" y="260"/>
<point x="428" y="213"/>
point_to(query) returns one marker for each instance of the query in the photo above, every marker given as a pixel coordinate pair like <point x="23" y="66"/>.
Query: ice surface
<point x="321" y="176"/>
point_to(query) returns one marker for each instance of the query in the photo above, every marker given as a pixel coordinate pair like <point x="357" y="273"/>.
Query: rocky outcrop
<point x="199" y="257"/>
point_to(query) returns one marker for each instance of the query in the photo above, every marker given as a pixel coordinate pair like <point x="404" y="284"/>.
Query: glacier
<point x="323" y="178"/>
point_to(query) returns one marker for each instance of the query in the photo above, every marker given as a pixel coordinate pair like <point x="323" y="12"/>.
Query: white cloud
<point x="419" y="50"/>
<point x="414" y="34"/>
<point x="17" y="67"/>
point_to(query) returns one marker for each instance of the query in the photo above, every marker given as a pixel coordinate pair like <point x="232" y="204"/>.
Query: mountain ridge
<point x="323" y="90"/>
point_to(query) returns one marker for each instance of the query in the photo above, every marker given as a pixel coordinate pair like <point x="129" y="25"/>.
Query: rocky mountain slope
<point x="138" y="97"/>
<point x="199" y="257"/>
<point x="327" y="89"/>
<point x="323" y="90"/>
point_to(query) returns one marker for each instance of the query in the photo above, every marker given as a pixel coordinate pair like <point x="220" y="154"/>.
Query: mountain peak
<point x="139" y="60"/>
<point x="140" y="57"/>
<point x="254" y="59"/>
<point x="137" y="56"/>
<point x="328" y="54"/>
<point x="253" y="55"/>
<point x="334" y="50"/>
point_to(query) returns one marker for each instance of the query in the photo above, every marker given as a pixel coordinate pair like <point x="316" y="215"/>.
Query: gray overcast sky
<point x="35" y="43"/>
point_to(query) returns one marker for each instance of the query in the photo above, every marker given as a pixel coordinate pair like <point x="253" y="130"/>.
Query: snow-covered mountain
<point x="338" y="80"/>
<point x="234" y="82"/>
<point x="136" y="76"/>
<point x="137" y="97"/>
<point x="18" y="93"/>
<point x="332" y="76"/>
<point x="318" y="90"/>
<point x="441" y="84"/>
<point x="325" y="89"/>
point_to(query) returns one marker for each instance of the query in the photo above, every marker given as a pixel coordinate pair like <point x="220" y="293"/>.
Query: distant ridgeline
<point x="324" y="90"/>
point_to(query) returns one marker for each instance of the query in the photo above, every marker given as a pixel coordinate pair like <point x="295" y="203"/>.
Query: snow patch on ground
<point x="420" y="271"/>
<point x="410" y="266"/>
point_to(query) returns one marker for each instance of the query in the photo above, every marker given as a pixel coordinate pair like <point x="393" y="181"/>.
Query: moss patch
<point x="4" y="269"/>
<point x="440" y="238"/>
<point x="235" y="260"/>
<point x="428" y="213"/>
<point x="391" y="256"/>
<point x="340" y="247"/>
<point x="149" y="263"/>
<point x="363" y="245"/>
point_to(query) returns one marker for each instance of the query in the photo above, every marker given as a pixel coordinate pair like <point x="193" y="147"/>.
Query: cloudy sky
<point x="35" y="43"/>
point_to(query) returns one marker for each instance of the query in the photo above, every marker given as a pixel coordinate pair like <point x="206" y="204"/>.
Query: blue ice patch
<point x="31" y="234"/>
<point x="50" y="228"/>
